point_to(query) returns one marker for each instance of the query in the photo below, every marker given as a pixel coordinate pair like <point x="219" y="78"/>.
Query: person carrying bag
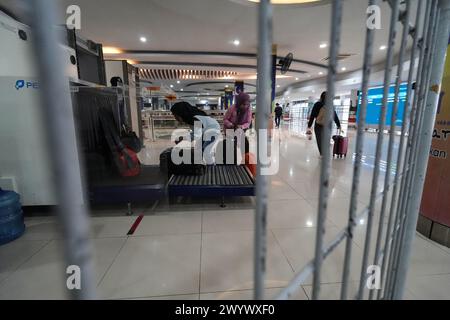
<point x="318" y="114"/>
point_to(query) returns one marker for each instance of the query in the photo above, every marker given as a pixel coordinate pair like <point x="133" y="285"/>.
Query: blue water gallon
<point x="12" y="225"/>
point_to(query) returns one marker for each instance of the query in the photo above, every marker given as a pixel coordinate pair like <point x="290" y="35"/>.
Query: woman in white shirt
<point x="205" y="128"/>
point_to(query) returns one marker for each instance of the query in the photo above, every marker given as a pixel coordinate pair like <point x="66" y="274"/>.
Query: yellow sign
<point x="435" y="199"/>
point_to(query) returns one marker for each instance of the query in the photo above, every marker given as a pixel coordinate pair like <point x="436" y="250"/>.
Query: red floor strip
<point x="135" y="225"/>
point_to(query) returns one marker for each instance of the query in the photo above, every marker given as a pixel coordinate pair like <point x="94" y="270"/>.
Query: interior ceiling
<point x="212" y="25"/>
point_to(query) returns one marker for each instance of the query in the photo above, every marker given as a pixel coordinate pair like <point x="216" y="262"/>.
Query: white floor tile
<point x="154" y="266"/>
<point x="338" y="210"/>
<point x="280" y="190"/>
<point x="178" y="205"/>
<point x="434" y="287"/>
<point x="332" y="291"/>
<point x="292" y="214"/>
<point x="228" y="222"/>
<point x="105" y="227"/>
<point x="45" y="228"/>
<point x="227" y="262"/>
<point x="298" y="245"/>
<point x="311" y="190"/>
<point x="176" y="297"/>
<point x="427" y="259"/>
<point x="15" y="253"/>
<point x="269" y="294"/>
<point x="43" y="276"/>
<point x="169" y="224"/>
<point x="231" y="203"/>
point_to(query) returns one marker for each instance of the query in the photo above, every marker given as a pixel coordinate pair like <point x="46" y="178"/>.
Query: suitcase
<point x="340" y="146"/>
<point x="186" y="169"/>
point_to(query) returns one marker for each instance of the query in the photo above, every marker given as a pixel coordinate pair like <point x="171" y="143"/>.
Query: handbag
<point x="130" y="139"/>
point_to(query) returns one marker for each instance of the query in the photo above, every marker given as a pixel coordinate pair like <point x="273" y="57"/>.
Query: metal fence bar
<point x="404" y="39"/>
<point x="414" y="150"/>
<point x="438" y="54"/>
<point x="387" y="263"/>
<point x="387" y="80"/>
<point x="262" y="120"/>
<point x="367" y="67"/>
<point x="400" y="157"/>
<point x="417" y="150"/>
<point x="336" y="19"/>
<point x="308" y="269"/>
<point x="56" y="103"/>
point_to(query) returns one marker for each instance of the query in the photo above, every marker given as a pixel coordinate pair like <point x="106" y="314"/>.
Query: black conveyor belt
<point x="218" y="180"/>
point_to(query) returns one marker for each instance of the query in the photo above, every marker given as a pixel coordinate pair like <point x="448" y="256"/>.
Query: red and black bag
<point x="340" y="147"/>
<point x="124" y="158"/>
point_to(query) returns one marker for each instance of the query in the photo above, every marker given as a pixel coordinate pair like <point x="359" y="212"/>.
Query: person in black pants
<point x="278" y="113"/>
<point x="318" y="114"/>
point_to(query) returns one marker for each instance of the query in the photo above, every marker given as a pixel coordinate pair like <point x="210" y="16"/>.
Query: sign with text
<point x="435" y="199"/>
<point x="375" y="102"/>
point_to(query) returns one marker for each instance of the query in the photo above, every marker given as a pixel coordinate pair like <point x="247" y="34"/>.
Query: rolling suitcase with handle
<point x="340" y="147"/>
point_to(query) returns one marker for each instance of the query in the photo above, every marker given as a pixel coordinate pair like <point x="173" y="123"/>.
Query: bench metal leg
<point x="222" y="203"/>
<point x="129" y="210"/>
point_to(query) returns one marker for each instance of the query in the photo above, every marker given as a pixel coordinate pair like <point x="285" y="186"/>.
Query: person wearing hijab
<point x="318" y="114"/>
<point x="186" y="113"/>
<point x="239" y="115"/>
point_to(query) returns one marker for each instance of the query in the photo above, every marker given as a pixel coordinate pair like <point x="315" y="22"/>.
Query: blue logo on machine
<point x="20" y="84"/>
<point x="26" y="84"/>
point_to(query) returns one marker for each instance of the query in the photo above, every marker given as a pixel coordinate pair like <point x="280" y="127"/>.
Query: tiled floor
<point x="193" y="249"/>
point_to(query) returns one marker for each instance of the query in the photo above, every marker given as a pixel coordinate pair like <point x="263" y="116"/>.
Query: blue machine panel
<point x="375" y="101"/>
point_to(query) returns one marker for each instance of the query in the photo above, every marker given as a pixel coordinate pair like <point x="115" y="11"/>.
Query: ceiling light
<point x="236" y="42"/>
<point x="111" y="50"/>
<point x="226" y="86"/>
<point x="171" y="85"/>
<point x="143" y="39"/>
<point x="178" y="81"/>
<point x="320" y="73"/>
<point x="383" y="47"/>
<point x="343" y="68"/>
<point x="296" y="79"/>
<point x="323" y="45"/>
<point x="181" y="89"/>
<point x="278" y="85"/>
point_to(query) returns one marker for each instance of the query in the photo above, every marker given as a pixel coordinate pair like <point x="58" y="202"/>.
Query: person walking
<point x="318" y="114"/>
<point x="278" y="114"/>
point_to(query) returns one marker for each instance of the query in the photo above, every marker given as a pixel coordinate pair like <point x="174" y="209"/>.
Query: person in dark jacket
<point x="318" y="116"/>
<point x="278" y="113"/>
